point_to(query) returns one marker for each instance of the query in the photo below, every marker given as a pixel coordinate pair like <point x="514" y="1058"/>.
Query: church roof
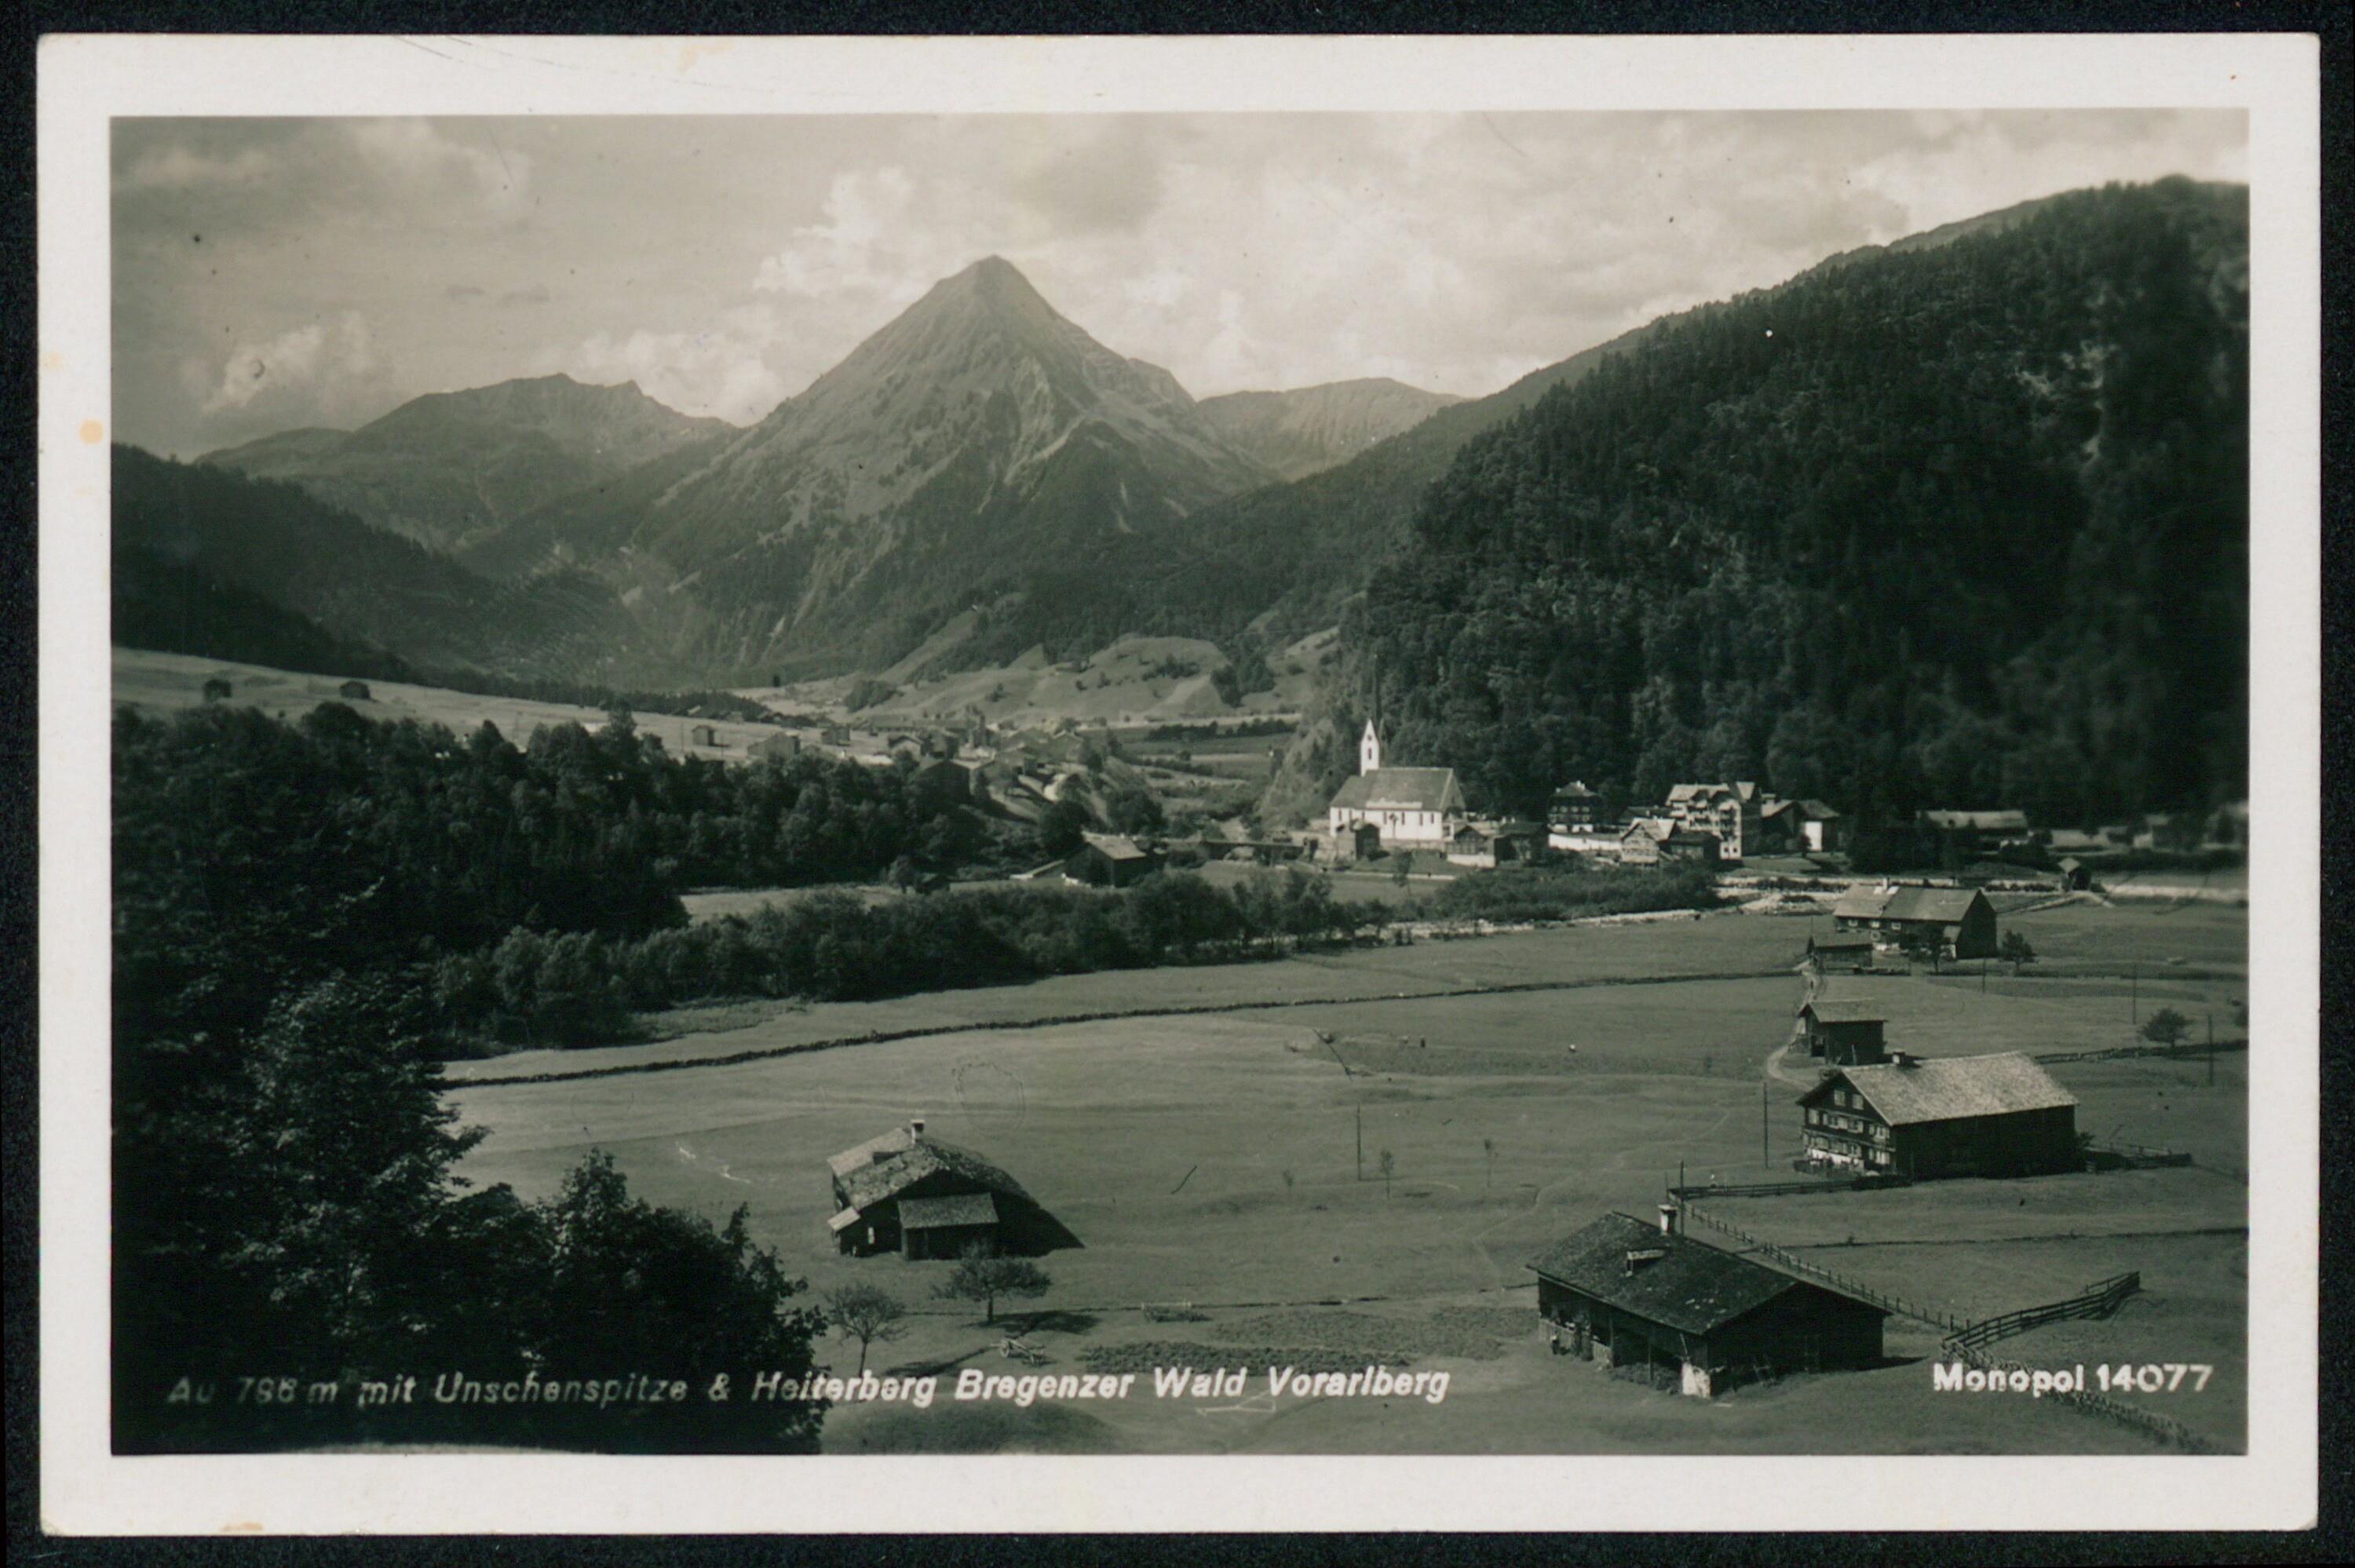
<point x="1400" y="790"/>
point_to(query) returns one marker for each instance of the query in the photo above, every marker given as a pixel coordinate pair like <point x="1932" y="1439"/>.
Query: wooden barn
<point x="1958" y="1116"/>
<point x="1631" y="1294"/>
<point x="921" y="1198"/>
<point x="1840" y="1033"/>
<point x="1946" y="922"/>
<point x="1109" y="860"/>
<point x="1853" y="954"/>
<point x="782" y="747"/>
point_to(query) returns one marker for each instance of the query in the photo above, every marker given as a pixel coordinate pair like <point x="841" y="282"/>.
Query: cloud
<point x="721" y="371"/>
<point x="177" y="167"/>
<point x="1110" y="181"/>
<point x="862" y="245"/>
<point x="318" y="358"/>
<point x="416" y="153"/>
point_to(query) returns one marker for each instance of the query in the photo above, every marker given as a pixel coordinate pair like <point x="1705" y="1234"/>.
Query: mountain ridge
<point x="446" y="468"/>
<point x="1305" y="430"/>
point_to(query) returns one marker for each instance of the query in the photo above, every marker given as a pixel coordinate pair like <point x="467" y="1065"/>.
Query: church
<point x="1391" y="809"/>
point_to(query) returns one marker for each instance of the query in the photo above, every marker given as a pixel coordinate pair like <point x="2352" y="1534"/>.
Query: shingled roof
<point x="1944" y="905"/>
<point x="1400" y="790"/>
<point x="1949" y="1088"/>
<point x="1842" y="1011"/>
<point x="865" y="1187"/>
<point x="1115" y="846"/>
<point x="1688" y="1285"/>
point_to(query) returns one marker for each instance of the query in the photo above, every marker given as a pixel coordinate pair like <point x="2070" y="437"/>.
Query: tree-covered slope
<point x="1962" y="525"/>
<point x="187" y="532"/>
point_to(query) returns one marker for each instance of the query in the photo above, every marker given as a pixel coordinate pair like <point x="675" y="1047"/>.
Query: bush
<point x="1569" y="893"/>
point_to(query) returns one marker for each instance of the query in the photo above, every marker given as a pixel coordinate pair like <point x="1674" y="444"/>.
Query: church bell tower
<point x="1370" y="749"/>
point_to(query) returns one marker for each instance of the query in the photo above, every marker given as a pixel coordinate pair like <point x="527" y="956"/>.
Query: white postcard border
<point x="84" y="80"/>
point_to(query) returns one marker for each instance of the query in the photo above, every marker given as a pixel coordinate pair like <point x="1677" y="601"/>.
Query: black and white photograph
<point x="1533" y="781"/>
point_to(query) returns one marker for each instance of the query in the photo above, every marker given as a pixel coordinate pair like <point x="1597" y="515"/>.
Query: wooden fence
<point x="2166" y="1428"/>
<point x="2187" y="1048"/>
<point x="1785" y="1189"/>
<point x="2096" y="1301"/>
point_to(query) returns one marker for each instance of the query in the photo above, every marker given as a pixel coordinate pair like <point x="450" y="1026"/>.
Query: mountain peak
<point x="991" y="283"/>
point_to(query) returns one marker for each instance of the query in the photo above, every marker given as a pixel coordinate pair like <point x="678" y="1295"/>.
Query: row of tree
<point x="579" y="988"/>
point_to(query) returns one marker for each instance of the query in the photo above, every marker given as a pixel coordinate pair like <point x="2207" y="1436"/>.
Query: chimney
<point x="916" y="1127"/>
<point x="1903" y="1059"/>
<point x="1668" y="1219"/>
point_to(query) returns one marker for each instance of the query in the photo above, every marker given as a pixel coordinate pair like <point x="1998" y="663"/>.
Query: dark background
<point x="19" y="782"/>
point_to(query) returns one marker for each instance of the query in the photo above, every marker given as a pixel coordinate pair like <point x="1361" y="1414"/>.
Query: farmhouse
<point x="1962" y="1115"/>
<point x="1808" y="827"/>
<point x="908" y="1193"/>
<point x="782" y="747"/>
<point x="1842" y="1033"/>
<point x="1634" y="1295"/>
<point x="1493" y="843"/>
<point x="1109" y="860"/>
<point x="703" y="734"/>
<point x="1385" y="809"/>
<point x="2076" y="876"/>
<point x="354" y="690"/>
<point x="1574" y="809"/>
<point x="1946" y="922"/>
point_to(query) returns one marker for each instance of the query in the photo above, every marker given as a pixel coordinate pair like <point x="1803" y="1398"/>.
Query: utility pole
<point x="1764" y="1159"/>
<point x="2134" y="992"/>
<point x="2212" y="1050"/>
<point x="1361" y="1143"/>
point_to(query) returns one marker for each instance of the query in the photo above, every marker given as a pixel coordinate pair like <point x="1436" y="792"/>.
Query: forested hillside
<point x="1965" y="525"/>
<point x="194" y="532"/>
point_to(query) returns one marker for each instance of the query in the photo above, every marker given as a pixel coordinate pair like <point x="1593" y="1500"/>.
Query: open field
<point x="1214" y="1160"/>
<point x="167" y="683"/>
<point x="1635" y="952"/>
<point x="1131" y="680"/>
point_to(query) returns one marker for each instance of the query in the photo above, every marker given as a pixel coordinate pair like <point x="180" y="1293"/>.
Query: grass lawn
<point x="160" y="684"/>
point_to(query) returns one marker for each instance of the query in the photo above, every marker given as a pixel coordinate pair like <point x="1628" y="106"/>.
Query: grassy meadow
<point x="1232" y="1160"/>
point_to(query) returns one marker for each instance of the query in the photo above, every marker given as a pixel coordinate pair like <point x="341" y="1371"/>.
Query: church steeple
<point x="1370" y="749"/>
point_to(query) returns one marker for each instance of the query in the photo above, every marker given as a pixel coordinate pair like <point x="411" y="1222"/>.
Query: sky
<point x="274" y="273"/>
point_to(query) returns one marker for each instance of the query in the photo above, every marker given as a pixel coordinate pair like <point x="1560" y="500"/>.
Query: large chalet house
<point x="1732" y="811"/>
<point x="1945" y="922"/>
<point x="1631" y="1295"/>
<point x="905" y="1192"/>
<point x="1386" y="809"/>
<point x="1959" y="1116"/>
